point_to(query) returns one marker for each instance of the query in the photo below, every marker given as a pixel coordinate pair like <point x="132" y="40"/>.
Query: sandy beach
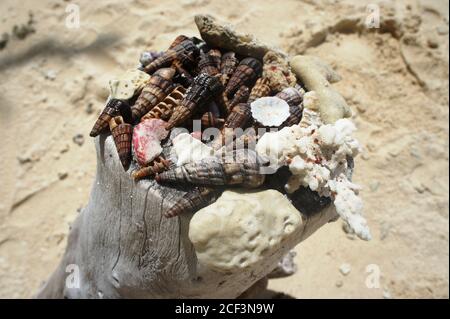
<point x="395" y="79"/>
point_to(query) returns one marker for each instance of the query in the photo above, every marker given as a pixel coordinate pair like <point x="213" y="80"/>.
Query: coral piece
<point x="121" y="133"/>
<point x="248" y="70"/>
<point x="202" y="91"/>
<point x="243" y="228"/>
<point x="147" y="137"/>
<point x="214" y="172"/>
<point x="225" y="37"/>
<point x="158" y="165"/>
<point x="277" y="71"/>
<point x="159" y="86"/>
<point x="188" y="149"/>
<point x="164" y="109"/>
<point x="193" y="200"/>
<point x="128" y="84"/>
<point x="270" y="111"/>
<point x="260" y="89"/>
<point x="185" y="52"/>
<point x="316" y="76"/>
<point x="112" y="108"/>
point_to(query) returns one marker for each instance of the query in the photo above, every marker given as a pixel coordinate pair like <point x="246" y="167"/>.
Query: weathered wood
<point x="125" y="248"/>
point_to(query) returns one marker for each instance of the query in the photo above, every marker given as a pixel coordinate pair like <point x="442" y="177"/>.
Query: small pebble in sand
<point x="433" y="43"/>
<point x="90" y="108"/>
<point x="386" y="294"/>
<point x="64" y="149"/>
<point x="339" y="283"/>
<point x="50" y="75"/>
<point x="345" y="269"/>
<point x="78" y="139"/>
<point x="62" y="175"/>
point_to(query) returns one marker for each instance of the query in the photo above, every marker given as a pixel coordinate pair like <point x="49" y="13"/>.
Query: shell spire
<point x="294" y="99"/>
<point x="260" y="89"/>
<point x="208" y="64"/>
<point x="241" y="96"/>
<point x="202" y="91"/>
<point x="164" y="109"/>
<point x="193" y="200"/>
<point x="159" y="86"/>
<point x="158" y="165"/>
<point x="122" y="134"/>
<point x="248" y="70"/>
<point x="209" y="119"/>
<point x="112" y="108"/>
<point x="228" y="66"/>
<point x="245" y="174"/>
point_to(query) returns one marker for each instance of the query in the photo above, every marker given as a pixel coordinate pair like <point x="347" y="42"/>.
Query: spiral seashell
<point x="122" y="133"/>
<point x="291" y="95"/>
<point x="295" y="115"/>
<point x="216" y="56"/>
<point x="207" y="64"/>
<point x="194" y="200"/>
<point x="164" y="109"/>
<point x="210" y="120"/>
<point x="203" y="90"/>
<point x="158" y="165"/>
<point x="248" y="70"/>
<point x="158" y="87"/>
<point x="207" y="172"/>
<point x="186" y="52"/>
<point x="112" y="108"/>
<point x="260" y="89"/>
<point x="227" y="66"/>
<point x="241" y="96"/>
<point x="178" y="40"/>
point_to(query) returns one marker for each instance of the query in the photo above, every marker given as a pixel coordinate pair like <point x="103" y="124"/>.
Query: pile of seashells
<point x="226" y="102"/>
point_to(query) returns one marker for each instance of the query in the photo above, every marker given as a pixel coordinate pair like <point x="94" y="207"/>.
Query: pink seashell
<point x="147" y="137"/>
<point x="197" y="135"/>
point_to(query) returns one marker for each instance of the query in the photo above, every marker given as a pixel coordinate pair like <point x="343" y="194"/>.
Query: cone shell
<point x="147" y="137"/>
<point x="239" y="116"/>
<point x="202" y="91"/>
<point x="111" y="109"/>
<point x="228" y="66"/>
<point x="208" y="172"/>
<point x="153" y="93"/>
<point x="193" y="200"/>
<point x="158" y="165"/>
<point x="248" y="70"/>
<point x="122" y="133"/>
<point x="207" y="64"/>
<point x="210" y="120"/>
<point x="178" y="40"/>
<point x="241" y="96"/>
<point x="260" y="89"/>
<point x="164" y="109"/>
<point x="216" y="56"/>
<point x="291" y="95"/>
<point x="296" y="114"/>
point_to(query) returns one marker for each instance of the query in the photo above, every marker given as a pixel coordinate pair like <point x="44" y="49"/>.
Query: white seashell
<point x="128" y="84"/>
<point x="189" y="149"/>
<point x="270" y="110"/>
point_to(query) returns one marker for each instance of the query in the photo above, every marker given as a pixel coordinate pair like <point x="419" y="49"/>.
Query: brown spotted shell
<point x="164" y="109"/>
<point x="294" y="98"/>
<point x="158" y="87"/>
<point x="158" y="165"/>
<point x="207" y="64"/>
<point x="241" y="96"/>
<point x="228" y="66"/>
<point x="248" y="70"/>
<point x="111" y="109"/>
<point x="210" y="120"/>
<point x="203" y="90"/>
<point x="260" y="89"/>
<point x="122" y="134"/>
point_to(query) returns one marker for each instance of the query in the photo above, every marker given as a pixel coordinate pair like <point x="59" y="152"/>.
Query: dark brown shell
<point x="122" y="134"/>
<point x="210" y="120"/>
<point x="158" y="165"/>
<point x="291" y="95"/>
<point x="228" y="66"/>
<point x="154" y="92"/>
<point x="178" y="40"/>
<point x="296" y="114"/>
<point x="260" y="89"/>
<point x="203" y="90"/>
<point x="207" y="64"/>
<point x="239" y="116"/>
<point x="216" y="56"/>
<point x="211" y="172"/>
<point x="248" y="70"/>
<point x="164" y="109"/>
<point x="194" y="200"/>
<point x="241" y="96"/>
<point x="111" y="109"/>
<point x="186" y="52"/>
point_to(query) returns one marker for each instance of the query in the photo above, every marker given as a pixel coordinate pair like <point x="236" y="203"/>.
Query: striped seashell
<point x="194" y="200"/>
<point x="158" y="165"/>
<point x="186" y="52"/>
<point x="122" y="134"/>
<point x="207" y="64"/>
<point x="210" y="120"/>
<point x="164" y="109"/>
<point x="228" y="66"/>
<point x="245" y="141"/>
<point x="112" y="108"/>
<point x="149" y="56"/>
<point x="216" y="56"/>
<point x="248" y="70"/>
<point x="203" y="90"/>
<point x="291" y="95"/>
<point x="159" y="86"/>
<point x="178" y="40"/>
<point x="207" y="172"/>
<point x="296" y="114"/>
<point x="241" y="96"/>
<point x="260" y="89"/>
<point x="185" y="74"/>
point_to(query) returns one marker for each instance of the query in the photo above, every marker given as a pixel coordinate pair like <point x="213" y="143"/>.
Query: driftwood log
<point x="122" y="246"/>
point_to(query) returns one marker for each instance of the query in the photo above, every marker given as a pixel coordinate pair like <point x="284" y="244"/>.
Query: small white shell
<point x="128" y="84"/>
<point x="270" y="110"/>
